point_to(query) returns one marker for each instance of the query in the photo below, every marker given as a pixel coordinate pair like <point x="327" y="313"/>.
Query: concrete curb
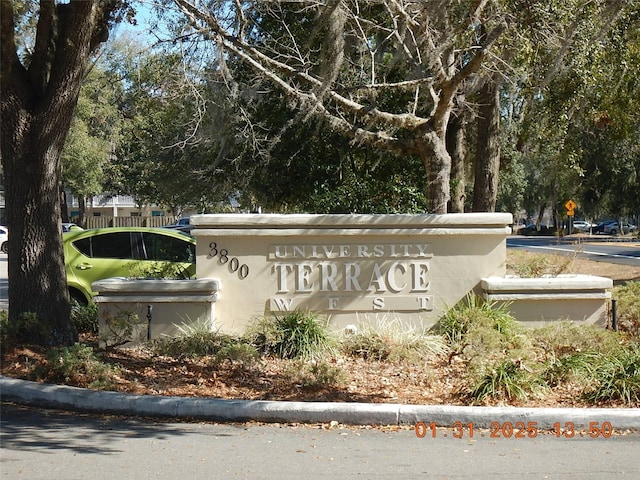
<point x="80" y="399"/>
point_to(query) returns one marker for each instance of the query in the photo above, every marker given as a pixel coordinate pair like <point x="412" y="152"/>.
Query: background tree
<point x="168" y="146"/>
<point x="39" y="87"/>
<point x="556" y="76"/>
<point x="604" y="131"/>
<point x="383" y="73"/>
<point x="92" y="138"/>
<point x="322" y="173"/>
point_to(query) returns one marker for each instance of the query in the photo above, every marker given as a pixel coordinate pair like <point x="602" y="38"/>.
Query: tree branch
<point x="44" y="49"/>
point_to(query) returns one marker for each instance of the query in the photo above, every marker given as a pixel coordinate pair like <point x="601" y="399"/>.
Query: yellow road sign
<point x="570" y="206"/>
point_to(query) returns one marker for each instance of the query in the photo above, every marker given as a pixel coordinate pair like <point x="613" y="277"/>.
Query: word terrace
<point x="351" y="277"/>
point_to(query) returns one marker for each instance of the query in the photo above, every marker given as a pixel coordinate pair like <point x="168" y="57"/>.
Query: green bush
<point x="78" y="365"/>
<point x="483" y="336"/>
<point x="237" y="352"/>
<point x="473" y="316"/>
<point x="616" y="377"/>
<point x="291" y="335"/>
<point x="628" y="307"/>
<point x="565" y="338"/>
<point x="571" y="367"/>
<point x="4" y="326"/>
<point x="27" y="328"/>
<point x="506" y="380"/>
<point x="159" y="271"/>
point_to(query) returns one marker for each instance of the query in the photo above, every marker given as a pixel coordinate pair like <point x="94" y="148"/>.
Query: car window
<point x="166" y="248"/>
<point x="109" y="245"/>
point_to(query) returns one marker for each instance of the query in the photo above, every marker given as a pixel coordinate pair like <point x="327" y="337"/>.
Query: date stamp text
<point x="516" y="430"/>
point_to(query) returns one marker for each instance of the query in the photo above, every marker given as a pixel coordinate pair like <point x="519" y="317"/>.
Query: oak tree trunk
<point x="35" y="264"/>
<point x="82" y="211"/>
<point x="487" y="164"/>
<point x="37" y="101"/>
<point x="457" y="148"/>
<point x="431" y="148"/>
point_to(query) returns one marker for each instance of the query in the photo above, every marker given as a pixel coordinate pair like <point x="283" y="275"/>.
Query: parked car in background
<point x="614" y="228"/>
<point x="582" y="226"/>
<point x="70" y="227"/>
<point x="184" y="225"/>
<point x="599" y="228"/>
<point x="534" y="229"/>
<point x="4" y="239"/>
<point x="96" y="254"/>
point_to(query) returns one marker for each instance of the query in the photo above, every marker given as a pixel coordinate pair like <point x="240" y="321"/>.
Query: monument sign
<point x="350" y="268"/>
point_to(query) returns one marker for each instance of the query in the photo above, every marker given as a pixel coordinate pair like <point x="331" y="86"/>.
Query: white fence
<point x="107" y="221"/>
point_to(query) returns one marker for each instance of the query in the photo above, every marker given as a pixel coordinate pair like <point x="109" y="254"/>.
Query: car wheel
<point x="77" y="297"/>
<point x="5" y="247"/>
<point x="614" y="231"/>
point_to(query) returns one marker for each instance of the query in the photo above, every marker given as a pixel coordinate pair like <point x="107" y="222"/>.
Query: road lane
<point x="622" y="253"/>
<point x="53" y="445"/>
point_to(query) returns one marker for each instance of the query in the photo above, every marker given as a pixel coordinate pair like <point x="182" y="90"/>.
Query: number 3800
<point x="224" y="258"/>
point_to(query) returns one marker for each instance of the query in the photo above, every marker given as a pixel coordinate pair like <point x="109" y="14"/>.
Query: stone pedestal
<point x="136" y="309"/>
<point x="537" y="301"/>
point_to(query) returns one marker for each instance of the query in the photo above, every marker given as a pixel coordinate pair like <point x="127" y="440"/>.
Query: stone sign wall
<point x="351" y="268"/>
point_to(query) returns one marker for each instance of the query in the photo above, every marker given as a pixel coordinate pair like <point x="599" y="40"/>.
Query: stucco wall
<point x="351" y="268"/>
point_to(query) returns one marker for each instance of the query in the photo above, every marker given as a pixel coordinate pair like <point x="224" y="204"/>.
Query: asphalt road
<point x="54" y="445"/>
<point x="600" y="249"/>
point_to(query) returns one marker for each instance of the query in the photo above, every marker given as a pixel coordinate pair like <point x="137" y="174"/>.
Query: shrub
<point x="392" y="340"/>
<point x="85" y="317"/>
<point x="628" y="307"/>
<point x="473" y="314"/>
<point x="528" y="265"/>
<point x="291" y="335"/>
<point x="193" y="340"/>
<point x="616" y="377"/>
<point x="508" y="380"/>
<point x="4" y="326"/>
<point x="566" y="338"/>
<point x="78" y="365"/>
<point x="26" y="329"/>
<point x="122" y="327"/>
<point x="237" y="352"/>
<point x="159" y="271"/>
<point x="575" y="366"/>
<point x="369" y="345"/>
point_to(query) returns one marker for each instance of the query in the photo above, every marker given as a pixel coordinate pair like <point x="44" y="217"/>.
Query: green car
<point x="96" y="254"/>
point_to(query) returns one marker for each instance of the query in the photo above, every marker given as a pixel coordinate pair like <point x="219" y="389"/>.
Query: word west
<point x="353" y="277"/>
